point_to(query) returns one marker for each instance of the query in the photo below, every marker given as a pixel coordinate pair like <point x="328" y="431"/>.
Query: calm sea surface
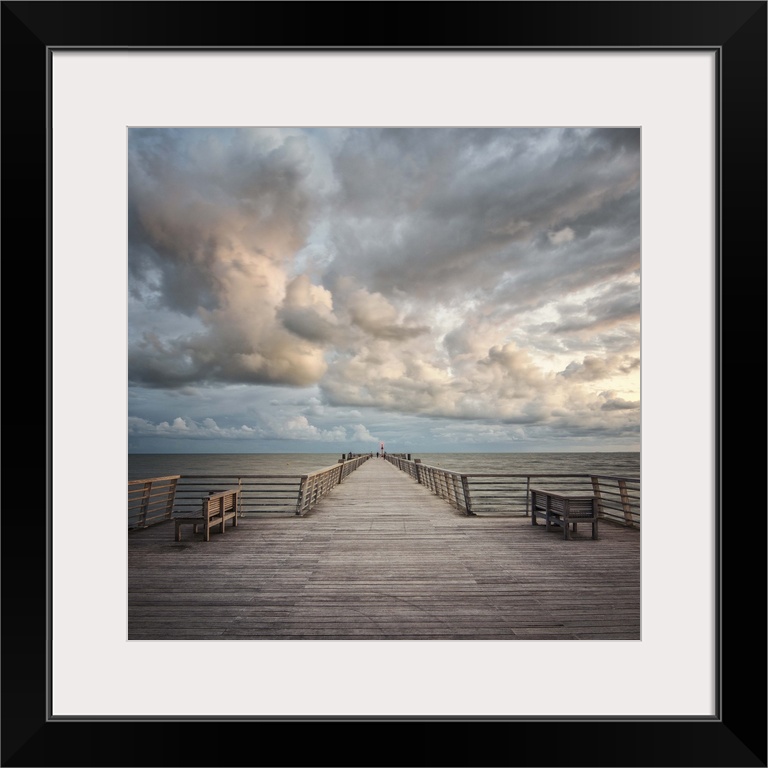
<point x="146" y="465"/>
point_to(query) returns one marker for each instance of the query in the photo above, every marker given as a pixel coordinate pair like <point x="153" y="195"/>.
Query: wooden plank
<point x="381" y="557"/>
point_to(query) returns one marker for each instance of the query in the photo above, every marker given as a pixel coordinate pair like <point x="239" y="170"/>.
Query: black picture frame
<point x="736" y="736"/>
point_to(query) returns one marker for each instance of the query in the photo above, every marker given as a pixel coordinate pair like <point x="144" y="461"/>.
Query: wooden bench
<point x="563" y="509"/>
<point x="219" y="507"/>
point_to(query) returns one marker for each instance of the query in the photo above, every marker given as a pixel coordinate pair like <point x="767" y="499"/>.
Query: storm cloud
<point x="331" y="285"/>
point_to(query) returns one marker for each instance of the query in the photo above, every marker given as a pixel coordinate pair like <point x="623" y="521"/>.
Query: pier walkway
<point x="382" y="558"/>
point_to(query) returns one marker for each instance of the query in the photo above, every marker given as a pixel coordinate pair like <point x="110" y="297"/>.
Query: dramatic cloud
<point x="438" y="286"/>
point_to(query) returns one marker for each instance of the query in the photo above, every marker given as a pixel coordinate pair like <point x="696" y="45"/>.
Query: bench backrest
<point x="580" y="504"/>
<point x="557" y="502"/>
<point x="222" y="501"/>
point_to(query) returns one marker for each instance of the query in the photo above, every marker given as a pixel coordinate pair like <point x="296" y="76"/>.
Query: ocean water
<point x="146" y="465"/>
<point x="598" y="463"/>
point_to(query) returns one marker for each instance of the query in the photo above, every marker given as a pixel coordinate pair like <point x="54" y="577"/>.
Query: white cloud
<point x="564" y="235"/>
<point x="361" y="434"/>
<point x="441" y="274"/>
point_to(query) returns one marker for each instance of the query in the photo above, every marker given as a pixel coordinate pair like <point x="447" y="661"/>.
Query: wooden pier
<point x="382" y="558"/>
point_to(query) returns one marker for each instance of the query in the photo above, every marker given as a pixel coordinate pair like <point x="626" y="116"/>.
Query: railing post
<point x="145" y="504"/>
<point x="626" y="504"/>
<point x="596" y="492"/>
<point x="527" y="494"/>
<point x="171" y="499"/>
<point x="467" y="498"/>
<point x="302" y="492"/>
<point x="417" y="464"/>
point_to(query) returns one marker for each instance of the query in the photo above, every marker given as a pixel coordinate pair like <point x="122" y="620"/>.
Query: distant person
<point x="377" y="454"/>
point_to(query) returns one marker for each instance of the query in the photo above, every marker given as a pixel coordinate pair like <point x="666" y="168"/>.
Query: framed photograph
<point x="690" y="79"/>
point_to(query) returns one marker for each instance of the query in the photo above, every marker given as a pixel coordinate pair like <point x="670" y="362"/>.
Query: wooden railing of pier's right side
<point x="618" y="498"/>
<point x="448" y="485"/>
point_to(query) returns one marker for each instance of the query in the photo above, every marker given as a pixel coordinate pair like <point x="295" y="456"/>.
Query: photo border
<point x="736" y="736"/>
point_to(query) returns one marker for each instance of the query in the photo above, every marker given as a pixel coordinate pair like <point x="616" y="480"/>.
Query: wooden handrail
<point x="151" y="500"/>
<point x="508" y="493"/>
<point x="155" y="499"/>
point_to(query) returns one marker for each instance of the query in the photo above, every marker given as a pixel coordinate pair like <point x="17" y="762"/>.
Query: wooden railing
<point x="317" y="484"/>
<point x="618" y="498"/>
<point x="156" y="499"/>
<point x="151" y="501"/>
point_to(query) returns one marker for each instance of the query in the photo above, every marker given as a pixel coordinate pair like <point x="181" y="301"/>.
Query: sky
<point x="432" y="289"/>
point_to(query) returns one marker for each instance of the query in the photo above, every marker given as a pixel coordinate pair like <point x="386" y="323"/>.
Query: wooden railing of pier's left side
<point x="156" y="499"/>
<point x="151" y="501"/>
<point x="317" y="484"/>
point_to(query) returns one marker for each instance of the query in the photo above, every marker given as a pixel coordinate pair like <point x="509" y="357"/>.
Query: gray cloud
<point x="450" y="274"/>
<point x="216" y="219"/>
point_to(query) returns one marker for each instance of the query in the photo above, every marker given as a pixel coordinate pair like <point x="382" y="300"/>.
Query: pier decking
<point x="382" y="558"/>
